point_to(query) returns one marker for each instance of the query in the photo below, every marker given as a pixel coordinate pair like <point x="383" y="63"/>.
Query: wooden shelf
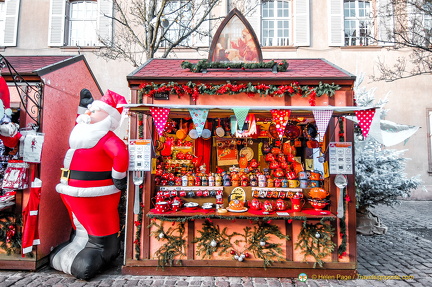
<point x="239" y="215"/>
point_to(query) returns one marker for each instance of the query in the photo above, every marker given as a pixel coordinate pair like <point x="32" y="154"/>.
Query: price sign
<point x="340" y="158"/>
<point x="140" y="155"/>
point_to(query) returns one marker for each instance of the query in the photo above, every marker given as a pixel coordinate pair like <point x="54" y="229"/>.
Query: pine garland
<point x="212" y="240"/>
<point x="341" y="130"/>
<point x="268" y="252"/>
<point x="195" y="89"/>
<point x="10" y="234"/>
<point x="175" y="244"/>
<point x="316" y="240"/>
<point x="342" y="226"/>
<point x="256" y="240"/>
<point x="203" y="65"/>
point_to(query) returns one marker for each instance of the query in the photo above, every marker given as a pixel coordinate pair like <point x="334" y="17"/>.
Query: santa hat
<point x="5" y="96"/>
<point x="109" y="103"/>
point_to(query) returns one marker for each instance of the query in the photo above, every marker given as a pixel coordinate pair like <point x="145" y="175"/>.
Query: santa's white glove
<point x="9" y="129"/>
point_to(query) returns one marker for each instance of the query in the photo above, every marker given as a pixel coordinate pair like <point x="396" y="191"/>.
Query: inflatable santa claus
<point x="93" y="177"/>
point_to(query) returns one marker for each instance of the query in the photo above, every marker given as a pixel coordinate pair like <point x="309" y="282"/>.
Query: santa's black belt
<point x="89" y="175"/>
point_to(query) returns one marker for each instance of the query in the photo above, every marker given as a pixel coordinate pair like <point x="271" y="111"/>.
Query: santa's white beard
<point x="86" y="135"/>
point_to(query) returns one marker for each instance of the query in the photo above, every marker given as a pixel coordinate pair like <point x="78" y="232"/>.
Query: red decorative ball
<point x="232" y="252"/>
<point x="247" y="255"/>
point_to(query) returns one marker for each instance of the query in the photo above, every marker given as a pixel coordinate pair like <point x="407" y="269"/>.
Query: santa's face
<point x="96" y="114"/>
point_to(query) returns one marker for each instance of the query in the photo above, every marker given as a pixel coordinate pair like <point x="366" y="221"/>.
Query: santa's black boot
<point x="98" y="252"/>
<point x="60" y="247"/>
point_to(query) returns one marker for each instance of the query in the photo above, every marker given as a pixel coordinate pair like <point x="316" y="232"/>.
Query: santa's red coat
<point x="94" y="203"/>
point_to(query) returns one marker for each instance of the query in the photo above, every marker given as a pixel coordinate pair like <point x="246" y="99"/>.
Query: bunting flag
<point x="160" y="117"/>
<point x="199" y="118"/>
<point x="322" y="118"/>
<point x="280" y="118"/>
<point x="241" y="114"/>
<point x="365" y="118"/>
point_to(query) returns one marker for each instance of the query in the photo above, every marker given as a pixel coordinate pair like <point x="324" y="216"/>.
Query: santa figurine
<point x="94" y="174"/>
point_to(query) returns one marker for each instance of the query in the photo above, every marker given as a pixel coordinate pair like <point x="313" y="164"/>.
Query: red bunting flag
<point x="280" y="118"/>
<point x="365" y="118"/>
<point x="160" y="117"/>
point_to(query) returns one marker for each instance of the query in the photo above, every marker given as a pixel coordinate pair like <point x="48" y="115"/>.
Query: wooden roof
<point x="304" y="71"/>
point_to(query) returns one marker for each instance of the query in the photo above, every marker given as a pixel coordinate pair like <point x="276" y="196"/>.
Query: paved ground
<point x="402" y="257"/>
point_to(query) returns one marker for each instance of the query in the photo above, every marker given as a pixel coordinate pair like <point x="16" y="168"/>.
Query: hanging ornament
<point x="160" y="117"/>
<point x="280" y="118"/>
<point x="317" y="235"/>
<point x="213" y="243"/>
<point x="161" y="235"/>
<point x="10" y="233"/>
<point x="263" y="243"/>
<point x="365" y="118"/>
<point x="322" y="118"/>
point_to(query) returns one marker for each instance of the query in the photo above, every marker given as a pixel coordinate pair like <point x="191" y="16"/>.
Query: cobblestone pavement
<point x="402" y="257"/>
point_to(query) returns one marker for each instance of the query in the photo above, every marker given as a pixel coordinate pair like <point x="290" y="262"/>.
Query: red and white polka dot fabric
<point x="365" y="118"/>
<point x="280" y="118"/>
<point x="160" y="117"/>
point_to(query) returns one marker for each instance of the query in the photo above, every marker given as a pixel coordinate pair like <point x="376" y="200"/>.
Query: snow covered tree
<point x="380" y="172"/>
<point x="380" y="176"/>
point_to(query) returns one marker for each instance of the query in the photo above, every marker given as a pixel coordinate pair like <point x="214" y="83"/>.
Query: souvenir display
<point x="275" y="163"/>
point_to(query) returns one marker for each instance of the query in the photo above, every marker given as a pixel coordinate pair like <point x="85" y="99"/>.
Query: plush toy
<point x="94" y="174"/>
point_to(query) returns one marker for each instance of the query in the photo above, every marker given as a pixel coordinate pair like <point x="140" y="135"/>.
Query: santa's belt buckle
<point x="65" y="173"/>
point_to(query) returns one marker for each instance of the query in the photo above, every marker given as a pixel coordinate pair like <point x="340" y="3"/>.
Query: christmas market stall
<point x="241" y="167"/>
<point x="39" y="98"/>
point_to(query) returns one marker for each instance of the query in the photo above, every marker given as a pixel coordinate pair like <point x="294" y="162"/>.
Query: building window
<point x="83" y="17"/>
<point x="80" y="23"/>
<point x="275" y="23"/>
<point x="179" y="17"/>
<point x="357" y="22"/>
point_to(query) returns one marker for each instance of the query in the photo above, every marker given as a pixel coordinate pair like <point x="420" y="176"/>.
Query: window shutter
<point x="254" y="19"/>
<point x="11" y="23"/>
<point x="301" y="23"/>
<point x="105" y="8"/>
<point x="56" y="23"/>
<point x="385" y="22"/>
<point x="336" y="27"/>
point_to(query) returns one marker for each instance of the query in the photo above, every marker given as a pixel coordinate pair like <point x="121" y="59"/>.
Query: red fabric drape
<point x="203" y="149"/>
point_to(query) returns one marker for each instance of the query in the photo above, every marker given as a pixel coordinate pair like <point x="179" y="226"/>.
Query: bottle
<point x="218" y="180"/>
<point x="262" y="180"/>
<point x="191" y="180"/>
<point x="204" y="180"/>
<point x="211" y="180"/>
<point x="253" y="180"/>
<point x="226" y="180"/>
<point x="197" y="180"/>
<point x="184" y="180"/>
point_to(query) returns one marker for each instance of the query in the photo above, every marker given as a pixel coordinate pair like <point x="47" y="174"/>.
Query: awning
<point x="219" y="111"/>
